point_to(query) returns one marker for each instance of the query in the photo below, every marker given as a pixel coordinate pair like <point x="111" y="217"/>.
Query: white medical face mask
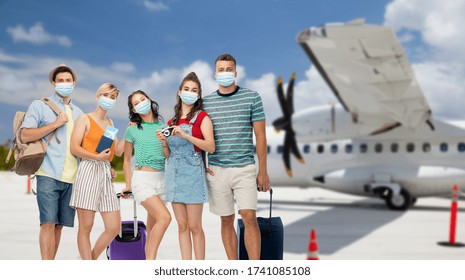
<point x="225" y="79"/>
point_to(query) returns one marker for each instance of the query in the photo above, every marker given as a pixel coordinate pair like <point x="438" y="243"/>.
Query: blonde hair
<point x="109" y="88"/>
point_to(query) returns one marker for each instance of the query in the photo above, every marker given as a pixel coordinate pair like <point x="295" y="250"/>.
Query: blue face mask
<point x="225" y="79"/>
<point x="188" y="97"/>
<point x="143" y="108"/>
<point x="64" y="89"/>
<point x="106" y="103"/>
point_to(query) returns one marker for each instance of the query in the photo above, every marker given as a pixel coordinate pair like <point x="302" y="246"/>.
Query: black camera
<point x="167" y="131"/>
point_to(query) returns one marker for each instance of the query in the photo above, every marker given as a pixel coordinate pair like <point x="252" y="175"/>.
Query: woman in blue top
<point x="186" y="187"/>
<point x="147" y="182"/>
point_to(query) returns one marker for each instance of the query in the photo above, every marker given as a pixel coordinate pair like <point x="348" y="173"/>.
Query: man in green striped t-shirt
<point x="236" y="114"/>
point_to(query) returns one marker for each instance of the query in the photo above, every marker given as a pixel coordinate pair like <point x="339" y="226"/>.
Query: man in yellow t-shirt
<point x="56" y="174"/>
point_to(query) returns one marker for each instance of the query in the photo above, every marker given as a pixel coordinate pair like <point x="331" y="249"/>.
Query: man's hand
<point x="61" y="120"/>
<point x="263" y="181"/>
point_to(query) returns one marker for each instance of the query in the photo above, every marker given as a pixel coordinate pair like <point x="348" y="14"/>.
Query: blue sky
<point x="151" y="45"/>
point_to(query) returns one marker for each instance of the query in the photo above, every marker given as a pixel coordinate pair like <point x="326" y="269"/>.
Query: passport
<point x="104" y="143"/>
<point x="107" y="139"/>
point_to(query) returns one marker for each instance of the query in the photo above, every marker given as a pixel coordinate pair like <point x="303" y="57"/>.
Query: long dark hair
<point x="197" y="105"/>
<point x="135" y="117"/>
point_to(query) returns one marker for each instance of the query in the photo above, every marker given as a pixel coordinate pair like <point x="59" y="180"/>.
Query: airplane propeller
<point x="285" y="123"/>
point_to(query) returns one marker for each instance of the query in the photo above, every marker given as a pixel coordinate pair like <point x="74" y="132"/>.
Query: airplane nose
<point x="320" y="179"/>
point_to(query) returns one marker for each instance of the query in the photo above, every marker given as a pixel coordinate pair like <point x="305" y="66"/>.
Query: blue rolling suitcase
<point x="129" y="244"/>
<point x="272" y="233"/>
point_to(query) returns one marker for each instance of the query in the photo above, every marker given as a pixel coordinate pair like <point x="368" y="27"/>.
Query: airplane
<point x="381" y="139"/>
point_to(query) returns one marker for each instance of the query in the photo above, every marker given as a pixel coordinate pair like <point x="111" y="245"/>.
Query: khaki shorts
<point x="231" y="184"/>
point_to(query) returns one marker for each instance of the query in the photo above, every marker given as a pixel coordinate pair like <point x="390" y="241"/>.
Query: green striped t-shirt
<point x="233" y="116"/>
<point x="148" y="149"/>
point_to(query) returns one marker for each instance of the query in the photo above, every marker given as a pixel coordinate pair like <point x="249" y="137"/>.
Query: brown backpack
<point x="29" y="156"/>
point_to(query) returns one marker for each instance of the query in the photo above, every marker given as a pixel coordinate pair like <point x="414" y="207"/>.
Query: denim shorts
<point x="53" y="198"/>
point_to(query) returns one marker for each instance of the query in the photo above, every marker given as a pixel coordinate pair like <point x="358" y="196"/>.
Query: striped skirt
<point x="93" y="188"/>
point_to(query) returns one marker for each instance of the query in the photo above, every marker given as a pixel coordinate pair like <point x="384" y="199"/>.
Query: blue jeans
<point x="53" y="199"/>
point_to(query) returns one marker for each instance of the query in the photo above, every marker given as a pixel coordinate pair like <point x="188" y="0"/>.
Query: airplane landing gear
<point x="394" y="195"/>
<point x="401" y="201"/>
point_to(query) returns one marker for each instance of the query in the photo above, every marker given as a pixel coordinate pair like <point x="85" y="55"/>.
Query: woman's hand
<point x="126" y="190"/>
<point x="161" y="137"/>
<point x="209" y="171"/>
<point x="113" y="174"/>
<point x="104" y="155"/>
<point x="177" y="131"/>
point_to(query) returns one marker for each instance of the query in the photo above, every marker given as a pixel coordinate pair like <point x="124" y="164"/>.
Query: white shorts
<point x="146" y="184"/>
<point x="231" y="184"/>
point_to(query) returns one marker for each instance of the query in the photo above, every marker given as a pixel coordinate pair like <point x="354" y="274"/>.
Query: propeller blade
<point x="281" y="99"/>
<point x="290" y="94"/>
<point x="286" y="154"/>
<point x="281" y="123"/>
<point x="295" y="149"/>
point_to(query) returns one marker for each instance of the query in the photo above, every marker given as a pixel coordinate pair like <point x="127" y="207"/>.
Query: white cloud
<point x="37" y="35"/>
<point x="441" y="70"/>
<point x="156" y="6"/>
<point x="440" y="25"/>
<point x="439" y="74"/>
<point x="27" y="79"/>
<point x="443" y="87"/>
<point x="123" y="67"/>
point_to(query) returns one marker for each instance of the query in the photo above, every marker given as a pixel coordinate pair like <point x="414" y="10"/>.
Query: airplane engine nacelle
<point x="330" y="122"/>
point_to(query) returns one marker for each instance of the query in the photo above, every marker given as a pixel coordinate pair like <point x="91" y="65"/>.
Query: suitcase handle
<point x="271" y="206"/>
<point x="271" y="200"/>
<point x="136" y="227"/>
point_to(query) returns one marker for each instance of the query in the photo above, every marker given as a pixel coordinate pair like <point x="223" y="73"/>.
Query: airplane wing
<point x="368" y="71"/>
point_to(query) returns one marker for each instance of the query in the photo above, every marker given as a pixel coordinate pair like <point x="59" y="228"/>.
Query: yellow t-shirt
<point x="71" y="164"/>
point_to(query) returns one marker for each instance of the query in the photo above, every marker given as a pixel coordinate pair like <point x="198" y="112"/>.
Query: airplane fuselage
<point x="424" y="162"/>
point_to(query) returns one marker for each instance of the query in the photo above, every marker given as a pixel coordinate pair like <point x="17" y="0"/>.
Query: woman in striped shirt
<point x="147" y="182"/>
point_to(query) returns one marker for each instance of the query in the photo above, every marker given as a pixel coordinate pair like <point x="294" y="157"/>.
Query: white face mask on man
<point x="64" y="89"/>
<point x="225" y="79"/>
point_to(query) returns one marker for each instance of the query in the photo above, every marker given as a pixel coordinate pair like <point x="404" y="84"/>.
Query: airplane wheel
<point x="399" y="202"/>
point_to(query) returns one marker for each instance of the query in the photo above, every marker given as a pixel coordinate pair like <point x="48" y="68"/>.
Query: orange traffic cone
<point x="313" y="247"/>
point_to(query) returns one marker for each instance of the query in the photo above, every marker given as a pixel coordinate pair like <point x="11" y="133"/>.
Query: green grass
<point x="119" y="177"/>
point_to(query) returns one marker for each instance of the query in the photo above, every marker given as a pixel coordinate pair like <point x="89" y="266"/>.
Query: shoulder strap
<point x="52" y="105"/>
<point x="57" y="111"/>
<point x="192" y="121"/>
